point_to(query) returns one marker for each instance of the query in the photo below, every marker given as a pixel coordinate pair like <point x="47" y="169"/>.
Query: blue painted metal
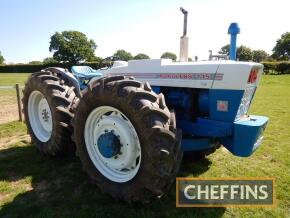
<point x="239" y="137"/>
<point x="156" y="89"/>
<point x="207" y="103"/>
<point x="177" y="98"/>
<point x="206" y="128"/>
<point x="203" y="101"/>
<point x="247" y="133"/>
<point x="109" y="144"/>
<point x="233" y="100"/>
<point x="82" y="83"/>
<point x="195" y="144"/>
<point x="233" y="30"/>
<point x="84" y="73"/>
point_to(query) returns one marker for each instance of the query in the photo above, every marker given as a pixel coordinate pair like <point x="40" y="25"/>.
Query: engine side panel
<point x="162" y="72"/>
<point x="204" y="75"/>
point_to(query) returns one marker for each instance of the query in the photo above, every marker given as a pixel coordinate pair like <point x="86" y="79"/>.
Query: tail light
<point x="253" y="76"/>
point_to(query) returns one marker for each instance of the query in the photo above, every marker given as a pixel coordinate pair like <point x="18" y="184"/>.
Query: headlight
<point x="245" y="102"/>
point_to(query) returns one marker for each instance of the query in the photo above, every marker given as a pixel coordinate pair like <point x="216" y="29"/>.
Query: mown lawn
<point x="32" y="185"/>
<point x="10" y="79"/>
<point x="8" y="96"/>
<point x="8" y="100"/>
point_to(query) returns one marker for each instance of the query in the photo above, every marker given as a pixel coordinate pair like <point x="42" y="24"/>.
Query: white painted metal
<point x="39" y="115"/>
<point x="236" y="75"/>
<point x="123" y="167"/>
<point x="183" y="54"/>
<point x="120" y="63"/>
<point x="224" y="74"/>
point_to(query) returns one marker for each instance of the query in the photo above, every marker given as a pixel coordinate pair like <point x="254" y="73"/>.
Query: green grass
<point x="32" y="185"/>
<point x="8" y="99"/>
<point x="12" y="128"/>
<point x="8" y="96"/>
<point x="10" y="79"/>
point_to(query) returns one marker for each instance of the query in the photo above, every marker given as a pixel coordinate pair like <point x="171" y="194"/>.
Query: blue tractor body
<point x="241" y="137"/>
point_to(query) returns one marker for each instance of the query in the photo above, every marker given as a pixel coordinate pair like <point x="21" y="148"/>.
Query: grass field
<point x="8" y="109"/>
<point x="32" y="185"/>
<point x="10" y="79"/>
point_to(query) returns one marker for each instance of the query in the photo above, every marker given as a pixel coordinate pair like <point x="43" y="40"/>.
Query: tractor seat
<point x="85" y="72"/>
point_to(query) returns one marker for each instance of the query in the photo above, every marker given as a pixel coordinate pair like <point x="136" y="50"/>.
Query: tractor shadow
<point x="194" y="166"/>
<point x="37" y="186"/>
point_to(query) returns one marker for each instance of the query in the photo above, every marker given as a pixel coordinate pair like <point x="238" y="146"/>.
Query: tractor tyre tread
<point x="59" y="97"/>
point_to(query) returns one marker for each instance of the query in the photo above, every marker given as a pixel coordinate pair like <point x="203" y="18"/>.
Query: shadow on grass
<point x="59" y="188"/>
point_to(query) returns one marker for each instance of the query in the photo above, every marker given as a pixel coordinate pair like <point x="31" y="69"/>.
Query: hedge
<point x="30" y="68"/>
<point x="282" y="67"/>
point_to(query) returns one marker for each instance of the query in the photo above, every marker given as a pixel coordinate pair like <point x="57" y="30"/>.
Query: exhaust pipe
<point x="183" y="55"/>
<point x="233" y="30"/>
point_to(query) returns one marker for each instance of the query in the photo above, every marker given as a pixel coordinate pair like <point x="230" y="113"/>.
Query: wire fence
<point x="10" y="103"/>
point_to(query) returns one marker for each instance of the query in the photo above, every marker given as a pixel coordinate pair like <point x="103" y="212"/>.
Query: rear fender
<point x="69" y="76"/>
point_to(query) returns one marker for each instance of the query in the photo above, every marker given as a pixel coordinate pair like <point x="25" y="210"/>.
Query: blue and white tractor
<point x="131" y="122"/>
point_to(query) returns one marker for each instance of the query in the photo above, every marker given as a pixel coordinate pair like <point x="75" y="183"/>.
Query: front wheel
<point x="47" y="101"/>
<point x="125" y="139"/>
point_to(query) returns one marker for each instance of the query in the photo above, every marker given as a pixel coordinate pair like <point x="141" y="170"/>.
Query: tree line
<point x="74" y="47"/>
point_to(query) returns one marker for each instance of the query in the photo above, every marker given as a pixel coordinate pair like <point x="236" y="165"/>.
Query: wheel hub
<point x="112" y="144"/>
<point x="109" y="144"/>
<point x="45" y="115"/>
<point x="39" y="115"/>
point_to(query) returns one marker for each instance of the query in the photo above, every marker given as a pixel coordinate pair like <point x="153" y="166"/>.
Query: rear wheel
<point x="47" y="101"/>
<point x="126" y="139"/>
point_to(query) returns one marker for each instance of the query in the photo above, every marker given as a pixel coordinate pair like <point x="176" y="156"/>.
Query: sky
<point x="148" y="26"/>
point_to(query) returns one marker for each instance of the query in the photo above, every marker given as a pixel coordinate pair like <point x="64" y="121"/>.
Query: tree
<point x="1" y="58"/>
<point x="94" y="59"/>
<point x="141" y="56"/>
<point x="225" y="50"/>
<point x="282" y="47"/>
<point x="71" y="46"/>
<point x="244" y="53"/>
<point x="169" y="55"/>
<point x="123" y="55"/>
<point x="259" y="55"/>
<point x="49" y="60"/>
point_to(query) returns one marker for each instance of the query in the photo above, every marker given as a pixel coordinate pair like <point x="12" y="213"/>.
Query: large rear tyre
<point x="47" y="100"/>
<point x="126" y="139"/>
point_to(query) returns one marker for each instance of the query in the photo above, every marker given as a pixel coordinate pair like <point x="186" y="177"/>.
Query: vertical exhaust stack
<point x="233" y="30"/>
<point x="183" y="55"/>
